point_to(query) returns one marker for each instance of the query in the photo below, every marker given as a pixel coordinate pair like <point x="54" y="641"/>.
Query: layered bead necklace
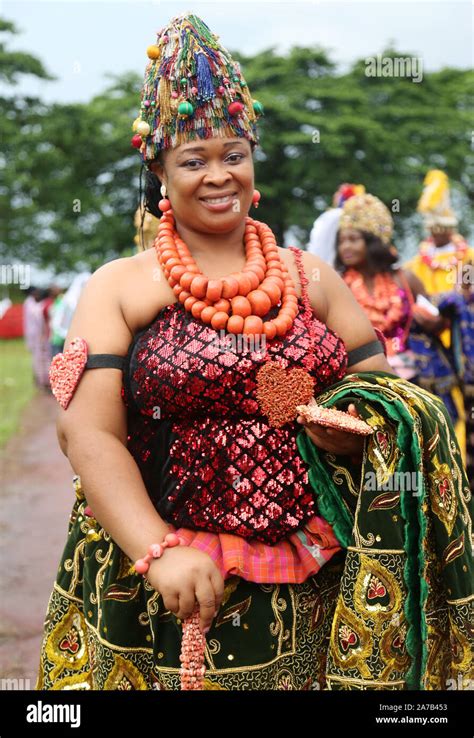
<point x="385" y="307"/>
<point x="239" y="301"/>
<point x="429" y="257"/>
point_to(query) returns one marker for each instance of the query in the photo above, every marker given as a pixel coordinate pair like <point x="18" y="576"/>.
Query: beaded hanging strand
<point x="309" y="358"/>
<point x="193" y="646"/>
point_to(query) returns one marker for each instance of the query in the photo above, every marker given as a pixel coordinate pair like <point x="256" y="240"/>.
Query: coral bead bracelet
<point x="193" y="644"/>
<point x="156" y="550"/>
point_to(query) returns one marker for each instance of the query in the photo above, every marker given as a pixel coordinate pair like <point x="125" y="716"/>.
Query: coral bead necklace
<point x="238" y="301"/>
<point x="428" y="254"/>
<point x="385" y="307"/>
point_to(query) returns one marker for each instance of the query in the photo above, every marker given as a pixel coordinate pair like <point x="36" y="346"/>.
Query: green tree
<point x="70" y="179"/>
<point x="322" y="128"/>
<point x="16" y="114"/>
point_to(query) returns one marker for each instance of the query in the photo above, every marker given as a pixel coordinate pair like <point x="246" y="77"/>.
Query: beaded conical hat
<point x="193" y="89"/>
<point x="367" y="213"/>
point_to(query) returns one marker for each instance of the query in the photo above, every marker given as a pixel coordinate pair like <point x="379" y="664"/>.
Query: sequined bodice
<point x="208" y="457"/>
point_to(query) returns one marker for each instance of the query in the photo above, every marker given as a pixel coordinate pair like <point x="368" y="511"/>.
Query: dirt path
<point x="36" y="497"/>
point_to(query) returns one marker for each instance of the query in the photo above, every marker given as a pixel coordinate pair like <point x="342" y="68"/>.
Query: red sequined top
<point x="208" y="457"/>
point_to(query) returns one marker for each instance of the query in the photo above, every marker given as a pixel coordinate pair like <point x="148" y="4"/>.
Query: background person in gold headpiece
<point x="444" y="265"/>
<point x="366" y="258"/>
<point x="444" y="254"/>
<point x="146" y="226"/>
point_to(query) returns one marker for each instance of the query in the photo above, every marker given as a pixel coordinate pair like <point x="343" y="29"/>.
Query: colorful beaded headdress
<point x="193" y="89"/>
<point x="434" y="203"/>
<point x="367" y="213"/>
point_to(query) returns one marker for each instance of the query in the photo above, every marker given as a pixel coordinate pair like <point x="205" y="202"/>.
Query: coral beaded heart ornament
<point x="66" y="370"/>
<point x="279" y="391"/>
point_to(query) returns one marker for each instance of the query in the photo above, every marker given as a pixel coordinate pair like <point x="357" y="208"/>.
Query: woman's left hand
<point x="334" y="441"/>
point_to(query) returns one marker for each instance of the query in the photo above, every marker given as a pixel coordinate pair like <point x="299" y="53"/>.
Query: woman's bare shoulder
<point x="128" y="266"/>
<point x="132" y="288"/>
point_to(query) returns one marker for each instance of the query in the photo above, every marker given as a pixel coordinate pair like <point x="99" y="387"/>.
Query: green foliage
<point x="69" y="177"/>
<point x="322" y="128"/>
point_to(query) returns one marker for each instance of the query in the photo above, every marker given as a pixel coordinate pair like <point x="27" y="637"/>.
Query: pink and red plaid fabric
<point x="293" y="559"/>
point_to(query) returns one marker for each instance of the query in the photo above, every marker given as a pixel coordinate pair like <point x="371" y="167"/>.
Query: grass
<point x="16" y="385"/>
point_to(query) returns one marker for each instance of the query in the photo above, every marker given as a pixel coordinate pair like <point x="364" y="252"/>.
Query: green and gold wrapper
<point x="404" y="617"/>
<point x="392" y="611"/>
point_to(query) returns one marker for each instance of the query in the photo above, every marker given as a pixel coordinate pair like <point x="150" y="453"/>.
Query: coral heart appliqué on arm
<point x="66" y="370"/>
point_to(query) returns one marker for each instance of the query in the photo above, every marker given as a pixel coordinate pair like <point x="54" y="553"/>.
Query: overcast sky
<point x="81" y="41"/>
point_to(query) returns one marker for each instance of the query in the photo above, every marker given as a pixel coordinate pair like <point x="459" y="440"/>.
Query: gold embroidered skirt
<point x="107" y="628"/>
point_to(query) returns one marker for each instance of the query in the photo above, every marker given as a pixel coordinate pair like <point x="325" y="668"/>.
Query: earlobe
<point x="158" y="171"/>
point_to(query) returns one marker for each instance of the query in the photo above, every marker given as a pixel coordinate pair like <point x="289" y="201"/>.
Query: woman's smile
<point x="218" y="203"/>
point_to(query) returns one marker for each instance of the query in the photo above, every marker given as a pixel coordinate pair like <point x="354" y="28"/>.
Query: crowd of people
<point x="424" y="307"/>
<point x="47" y="315"/>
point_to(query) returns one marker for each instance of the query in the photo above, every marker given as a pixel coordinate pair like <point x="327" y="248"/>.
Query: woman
<point x="189" y="440"/>
<point x="38" y="337"/>
<point x="366" y="260"/>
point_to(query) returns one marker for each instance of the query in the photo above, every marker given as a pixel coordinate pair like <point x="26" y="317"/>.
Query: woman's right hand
<point x="183" y="575"/>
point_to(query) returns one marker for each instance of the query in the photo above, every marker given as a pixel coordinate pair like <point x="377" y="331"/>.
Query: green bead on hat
<point x="185" y="108"/>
